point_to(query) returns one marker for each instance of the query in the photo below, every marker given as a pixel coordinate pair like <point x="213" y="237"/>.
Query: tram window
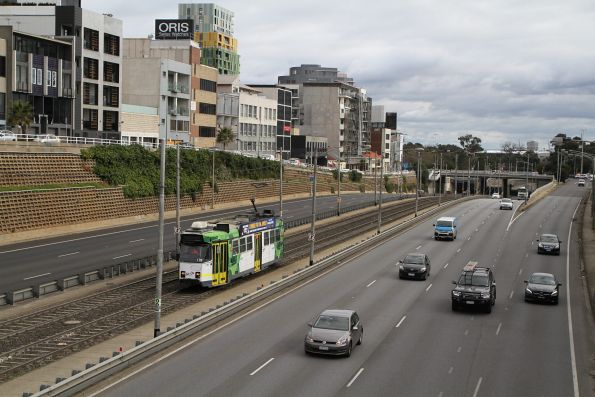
<point x="249" y="238"/>
<point x="266" y="238"/>
<point x="272" y="236"/>
<point x="278" y="234"/>
<point x="243" y="244"/>
<point x="235" y="247"/>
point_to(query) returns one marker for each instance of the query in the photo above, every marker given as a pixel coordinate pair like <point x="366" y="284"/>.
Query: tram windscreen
<point x="195" y="253"/>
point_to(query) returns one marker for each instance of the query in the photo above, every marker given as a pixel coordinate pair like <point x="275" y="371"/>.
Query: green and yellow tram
<point x="215" y="253"/>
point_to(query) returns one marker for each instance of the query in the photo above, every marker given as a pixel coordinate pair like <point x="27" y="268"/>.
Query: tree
<point x="225" y="136"/>
<point x="21" y="114"/>
<point x="470" y="143"/>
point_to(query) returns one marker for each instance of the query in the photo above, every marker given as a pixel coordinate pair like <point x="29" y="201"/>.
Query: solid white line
<point x="355" y="377"/>
<point x="262" y="366"/>
<point x="450" y="370"/>
<point x="570" y="331"/>
<point x="136" y="241"/>
<point x="121" y="256"/>
<point x="468" y="238"/>
<point x="369" y="285"/>
<point x="512" y="218"/>
<point x="39" y="275"/>
<point x="459" y="250"/>
<point x="459" y="349"/>
<point x="511" y="294"/>
<point x="445" y="266"/>
<point x="520" y="271"/>
<point x="428" y="288"/>
<point x="498" y="330"/>
<point x="466" y="332"/>
<point x="477" y="387"/>
<point x="418" y="247"/>
<point x="401" y="321"/>
<point x="72" y="253"/>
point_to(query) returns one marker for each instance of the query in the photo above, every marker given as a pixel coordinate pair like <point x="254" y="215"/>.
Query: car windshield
<point x="195" y="253"/>
<point x="474" y="279"/>
<point x="444" y="223"/>
<point x="542" y="279"/>
<point x="506" y="200"/>
<point x="546" y="238"/>
<point x="332" y="322"/>
<point x="414" y="259"/>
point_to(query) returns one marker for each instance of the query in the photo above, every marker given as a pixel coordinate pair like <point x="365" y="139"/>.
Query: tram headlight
<point x="182" y="274"/>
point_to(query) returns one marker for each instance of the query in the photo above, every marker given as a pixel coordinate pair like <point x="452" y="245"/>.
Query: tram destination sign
<point x="174" y="29"/>
<point x="257" y="226"/>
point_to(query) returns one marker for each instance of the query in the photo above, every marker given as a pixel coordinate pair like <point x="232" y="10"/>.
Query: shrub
<point x="362" y="188"/>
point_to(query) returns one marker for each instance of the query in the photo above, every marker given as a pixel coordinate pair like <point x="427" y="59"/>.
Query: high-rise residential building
<point x="97" y="65"/>
<point x="331" y="106"/>
<point x="214" y="29"/>
<point x="532" y="146"/>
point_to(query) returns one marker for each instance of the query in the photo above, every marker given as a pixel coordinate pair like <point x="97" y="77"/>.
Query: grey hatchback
<point x="334" y="332"/>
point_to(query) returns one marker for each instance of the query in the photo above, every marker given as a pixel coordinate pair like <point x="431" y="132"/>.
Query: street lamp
<point x="418" y="177"/>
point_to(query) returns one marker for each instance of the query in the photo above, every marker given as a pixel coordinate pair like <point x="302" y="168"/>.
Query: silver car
<point x="334" y="332"/>
<point x="506" y="204"/>
<point x="6" y="135"/>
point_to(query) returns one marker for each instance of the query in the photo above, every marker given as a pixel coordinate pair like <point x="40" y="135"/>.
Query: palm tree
<point x="225" y="136"/>
<point x="21" y="114"/>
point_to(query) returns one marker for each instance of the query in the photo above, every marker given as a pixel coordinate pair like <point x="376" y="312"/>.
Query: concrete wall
<point x="141" y="83"/>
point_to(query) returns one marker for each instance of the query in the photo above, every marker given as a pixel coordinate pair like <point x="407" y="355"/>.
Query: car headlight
<point x="540" y="245"/>
<point x="555" y="293"/>
<point x="456" y="293"/>
<point x="309" y="339"/>
<point x="342" y="341"/>
<point x="423" y="269"/>
<point x="401" y="267"/>
<point x="485" y="295"/>
<point x="527" y="290"/>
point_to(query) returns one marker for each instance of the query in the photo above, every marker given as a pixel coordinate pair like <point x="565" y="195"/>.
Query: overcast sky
<point x="503" y="70"/>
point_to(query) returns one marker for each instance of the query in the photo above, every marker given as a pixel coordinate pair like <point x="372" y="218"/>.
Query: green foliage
<point x="355" y="176"/>
<point x="362" y="188"/>
<point x="332" y="190"/>
<point x="470" y="143"/>
<point x="336" y="175"/>
<point x="225" y="136"/>
<point x="390" y="187"/>
<point x="21" y="114"/>
<point x="138" y="169"/>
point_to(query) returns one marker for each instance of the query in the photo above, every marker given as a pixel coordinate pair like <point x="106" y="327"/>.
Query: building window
<point x="2" y="106"/>
<point x="90" y="119"/>
<point x="207" y="108"/>
<point x="207" y="132"/>
<point x="2" y="66"/>
<point x="208" y="85"/>
<point x="111" y="72"/>
<point x="110" y="121"/>
<point x="91" y="39"/>
<point x="110" y="96"/>
<point x="90" y="93"/>
<point x="91" y="68"/>
<point x="111" y="44"/>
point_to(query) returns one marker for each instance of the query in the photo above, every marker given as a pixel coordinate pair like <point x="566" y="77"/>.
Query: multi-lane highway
<point x="36" y="262"/>
<point x="413" y="345"/>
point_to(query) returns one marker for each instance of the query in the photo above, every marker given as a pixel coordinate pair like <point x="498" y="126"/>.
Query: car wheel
<point x="488" y="308"/>
<point x="361" y="337"/>
<point x="454" y="307"/>
<point x="348" y="354"/>
<point x="556" y="302"/>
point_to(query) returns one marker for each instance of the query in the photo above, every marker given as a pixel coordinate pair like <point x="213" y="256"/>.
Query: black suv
<point x="475" y="287"/>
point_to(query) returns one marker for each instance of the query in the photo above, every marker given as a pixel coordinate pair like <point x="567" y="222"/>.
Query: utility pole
<point x="159" y="276"/>
<point x="469" y="176"/>
<point x="418" y="178"/>
<point x="582" y="150"/>
<point x="456" y="172"/>
<point x="339" y="187"/>
<point x="527" y="178"/>
<point x="380" y="194"/>
<point x="178" y="231"/>
<point x="213" y="180"/>
<point x="440" y="183"/>
<point x="280" y="183"/>
<point x="313" y="224"/>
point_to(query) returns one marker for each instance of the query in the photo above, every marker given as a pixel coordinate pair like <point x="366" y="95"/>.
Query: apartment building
<point x="284" y="98"/>
<point x="97" y="59"/>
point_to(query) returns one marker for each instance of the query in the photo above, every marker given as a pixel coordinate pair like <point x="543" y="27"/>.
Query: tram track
<point x="34" y="340"/>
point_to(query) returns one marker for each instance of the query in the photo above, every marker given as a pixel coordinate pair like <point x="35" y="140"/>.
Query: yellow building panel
<point x="216" y="39"/>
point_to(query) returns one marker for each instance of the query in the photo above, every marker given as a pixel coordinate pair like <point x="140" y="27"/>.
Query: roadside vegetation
<point x="136" y="169"/>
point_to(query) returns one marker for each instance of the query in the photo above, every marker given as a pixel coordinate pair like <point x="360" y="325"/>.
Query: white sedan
<point x="6" y="135"/>
<point x="49" y="138"/>
<point x="496" y="195"/>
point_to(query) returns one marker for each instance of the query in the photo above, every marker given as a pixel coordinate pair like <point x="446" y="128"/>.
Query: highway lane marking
<point x="445" y="266"/>
<point x="468" y="238"/>
<point x="459" y="349"/>
<point x="476" y="230"/>
<point x="217" y="329"/>
<point x="355" y="377"/>
<point x="122" y="256"/>
<point x="520" y="271"/>
<point x="72" y="253"/>
<point x="262" y="366"/>
<point x="477" y="387"/>
<point x="369" y="285"/>
<point x="440" y="394"/>
<point x="136" y="241"/>
<point x="512" y="218"/>
<point x="450" y="370"/>
<point x="428" y="288"/>
<point x="400" y="321"/>
<point x="466" y="332"/>
<point x="39" y="275"/>
<point x="418" y="247"/>
<point x="459" y="250"/>
<point x="568" y="307"/>
<point x="498" y="330"/>
<point x="511" y="294"/>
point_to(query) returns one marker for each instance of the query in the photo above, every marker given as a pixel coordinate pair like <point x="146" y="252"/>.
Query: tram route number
<point x="311" y="236"/>
<point x="177" y="230"/>
<point x="157" y="301"/>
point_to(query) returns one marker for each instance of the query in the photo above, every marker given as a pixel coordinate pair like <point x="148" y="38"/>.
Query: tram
<point x="213" y="254"/>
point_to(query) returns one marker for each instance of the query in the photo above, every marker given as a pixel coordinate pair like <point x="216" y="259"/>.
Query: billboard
<point x="174" y="29"/>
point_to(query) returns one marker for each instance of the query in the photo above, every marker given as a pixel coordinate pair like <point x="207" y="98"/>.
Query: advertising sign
<point x="174" y="29"/>
<point x="257" y="226"/>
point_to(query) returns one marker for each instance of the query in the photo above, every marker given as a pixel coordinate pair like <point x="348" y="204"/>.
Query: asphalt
<point x="62" y="368"/>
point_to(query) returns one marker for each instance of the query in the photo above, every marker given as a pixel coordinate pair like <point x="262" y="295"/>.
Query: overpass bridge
<point x="485" y="182"/>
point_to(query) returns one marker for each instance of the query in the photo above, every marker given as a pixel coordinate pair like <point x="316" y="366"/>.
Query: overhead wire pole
<point x="440" y="183"/>
<point x="281" y="184"/>
<point x="313" y="224"/>
<point x="456" y="172"/>
<point x="178" y="231"/>
<point x="213" y="182"/>
<point x="339" y="187"/>
<point x="159" y="270"/>
<point x="380" y="194"/>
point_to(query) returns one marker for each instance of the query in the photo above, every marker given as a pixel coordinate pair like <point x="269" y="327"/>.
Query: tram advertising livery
<point x="215" y="253"/>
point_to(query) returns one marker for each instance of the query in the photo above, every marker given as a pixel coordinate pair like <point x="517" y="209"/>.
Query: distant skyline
<point x="501" y="70"/>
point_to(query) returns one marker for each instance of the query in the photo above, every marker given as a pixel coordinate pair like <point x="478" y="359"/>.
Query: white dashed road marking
<point x="355" y="377"/>
<point x="122" y="256"/>
<point x="72" y="253"/>
<point x="39" y="275"/>
<point x="262" y="366"/>
<point x="369" y="285"/>
<point x="400" y="321"/>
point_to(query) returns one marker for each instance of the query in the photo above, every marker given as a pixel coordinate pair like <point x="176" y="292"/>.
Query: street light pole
<point x="527" y="179"/>
<point x="339" y="187"/>
<point x="313" y="224"/>
<point x="418" y="178"/>
<point x="380" y="194"/>
<point x="213" y="187"/>
<point x="440" y="183"/>
<point x="159" y="270"/>
<point x="178" y="231"/>
<point x="456" y="173"/>
<point x="280" y="183"/>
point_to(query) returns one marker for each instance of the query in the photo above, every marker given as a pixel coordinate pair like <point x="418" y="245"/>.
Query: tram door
<point x="220" y="261"/>
<point x="257" y="251"/>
